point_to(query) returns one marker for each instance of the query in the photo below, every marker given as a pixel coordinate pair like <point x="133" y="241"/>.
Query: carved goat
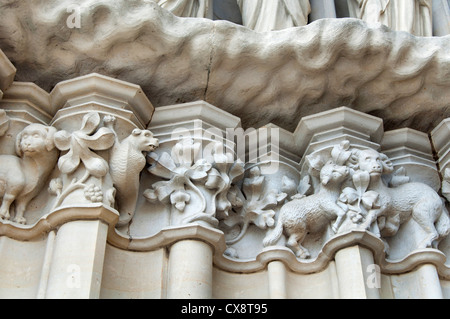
<point x="23" y="176"/>
<point x="313" y="213"/>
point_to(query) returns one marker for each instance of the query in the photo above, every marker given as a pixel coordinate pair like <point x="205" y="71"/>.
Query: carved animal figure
<point x="398" y="204"/>
<point x="313" y="213"/>
<point x="22" y="177"/>
<point x="127" y="160"/>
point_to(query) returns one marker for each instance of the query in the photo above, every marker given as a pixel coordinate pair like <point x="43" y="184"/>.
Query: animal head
<point x="371" y="161"/>
<point x="332" y="173"/>
<point x="143" y="140"/>
<point x="35" y="139"/>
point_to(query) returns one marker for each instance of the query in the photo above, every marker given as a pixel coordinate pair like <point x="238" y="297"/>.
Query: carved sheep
<point x="398" y="204"/>
<point x="313" y="213"/>
<point x="23" y="176"/>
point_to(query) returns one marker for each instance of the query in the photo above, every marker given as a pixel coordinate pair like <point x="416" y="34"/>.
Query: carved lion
<point x="398" y="204"/>
<point x="313" y="213"/>
<point x="23" y="176"/>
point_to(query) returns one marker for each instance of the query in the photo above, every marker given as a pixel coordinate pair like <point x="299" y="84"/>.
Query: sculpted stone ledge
<point x="323" y="65"/>
<point x="215" y="238"/>
<point x="57" y="218"/>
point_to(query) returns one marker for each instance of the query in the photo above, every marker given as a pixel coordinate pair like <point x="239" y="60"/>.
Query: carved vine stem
<point x="72" y="187"/>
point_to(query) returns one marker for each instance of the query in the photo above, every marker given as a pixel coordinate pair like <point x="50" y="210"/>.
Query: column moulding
<point x="7" y="73"/>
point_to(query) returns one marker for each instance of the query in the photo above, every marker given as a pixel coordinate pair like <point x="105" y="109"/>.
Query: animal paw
<point x="20" y="220"/>
<point x="303" y="254"/>
<point x="5" y="215"/>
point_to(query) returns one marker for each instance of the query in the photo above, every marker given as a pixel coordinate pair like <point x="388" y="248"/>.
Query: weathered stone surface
<point x="274" y="77"/>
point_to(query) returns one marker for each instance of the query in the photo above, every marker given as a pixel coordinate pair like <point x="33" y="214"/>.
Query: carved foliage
<point x="187" y="173"/>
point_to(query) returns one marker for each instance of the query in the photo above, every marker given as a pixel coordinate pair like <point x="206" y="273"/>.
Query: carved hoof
<point x="303" y="254"/>
<point x="20" y="220"/>
<point x="4" y="215"/>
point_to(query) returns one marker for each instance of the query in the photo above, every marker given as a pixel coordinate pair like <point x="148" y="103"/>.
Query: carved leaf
<point x="262" y="218"/>
<point x="68" y="163"/>
<point x="199" y="170"/>
<point x="370" y="200"/>
<point x="96" y="165"/>
<point x="340" y="153"/>
<point x="163" y="167"/>
<point x="252" y="186"/>
<point x="62" y="140"/>
<point x="215" y="180"/>
<point x="103" y="139"/>
<point x="361" y="180"/>
<point x="89" y="123"/>
<point x="236" y="171"/>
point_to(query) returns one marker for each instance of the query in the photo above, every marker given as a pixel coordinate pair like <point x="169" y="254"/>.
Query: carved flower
<point x="180" y="170"/>
<point x="80" y="144"/>
<point x="56" y="186"/>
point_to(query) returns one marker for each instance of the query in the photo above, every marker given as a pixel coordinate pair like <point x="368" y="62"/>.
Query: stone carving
<point x="311" y="214"/>
<point x="446" y="184"/>
<point x="202" y="182"/>
<point x="268" y="15"/>
<point x="397" y="204"/>
<point x="127" y="160"/>
<point x="23" y="176"/>
<point x="413" y="16"/>
<point x="80" y="146"/>
<point x="186" y="8"/>
<point x="195" y="59"/>
<point x="256" y="206"/>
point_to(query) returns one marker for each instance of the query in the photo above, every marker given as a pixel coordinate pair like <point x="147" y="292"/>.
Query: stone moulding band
<point x="56" y="219"/>
<point x="169" y="236"/>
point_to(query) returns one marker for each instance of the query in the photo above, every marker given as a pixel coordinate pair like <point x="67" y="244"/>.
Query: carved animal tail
<point x="275" y="235"/>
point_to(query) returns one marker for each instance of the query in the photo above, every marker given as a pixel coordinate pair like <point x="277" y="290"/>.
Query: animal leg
<point x="426" y="216"/>
<point x="8" y="199"/>
<point x="294" y="242"/>
<point x="21" y="206"/>
<point x="340" y="217"/>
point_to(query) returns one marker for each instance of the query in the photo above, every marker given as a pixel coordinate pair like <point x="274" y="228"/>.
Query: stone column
<point x="429" y="282"/>
<point x="77" y="262"/>
<point x="357" y="273"/>
<point x="190" y="270"/>
<point x="277" y="280"/>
